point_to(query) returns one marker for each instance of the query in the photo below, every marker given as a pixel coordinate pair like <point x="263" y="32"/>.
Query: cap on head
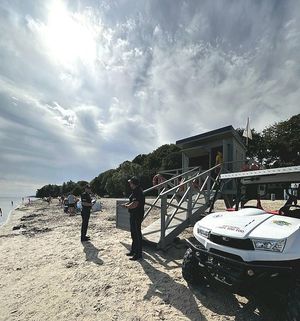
<point x="134" y="180"/>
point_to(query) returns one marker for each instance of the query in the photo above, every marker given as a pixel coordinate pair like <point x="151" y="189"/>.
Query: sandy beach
<point x="48" y="274"/>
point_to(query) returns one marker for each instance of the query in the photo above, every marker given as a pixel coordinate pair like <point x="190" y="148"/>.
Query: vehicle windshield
<point x="279" y="198"/>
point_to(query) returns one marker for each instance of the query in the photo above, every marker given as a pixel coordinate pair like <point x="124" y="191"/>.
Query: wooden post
<point x="163" y="220"/>
<point x="190" y="199"/>
<point x="208" y="187"/>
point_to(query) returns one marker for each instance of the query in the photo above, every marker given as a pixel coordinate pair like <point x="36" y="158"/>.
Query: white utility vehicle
<point x="249" y="249"/>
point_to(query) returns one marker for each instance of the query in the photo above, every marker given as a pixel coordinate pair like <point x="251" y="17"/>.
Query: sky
<point x="86" y="84"/>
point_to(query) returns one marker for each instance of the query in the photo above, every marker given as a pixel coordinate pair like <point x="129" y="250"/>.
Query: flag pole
<point x="247" y="132"/>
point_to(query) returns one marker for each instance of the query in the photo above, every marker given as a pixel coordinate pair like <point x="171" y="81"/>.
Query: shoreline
<point x="51" y="275"/>
<point x="9" y="216"/>
<point x="8" y="209"/>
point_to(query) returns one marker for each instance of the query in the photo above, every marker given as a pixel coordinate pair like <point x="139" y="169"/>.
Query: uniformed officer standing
<point x="86" y="203"/>
<point x="136" y="209"/>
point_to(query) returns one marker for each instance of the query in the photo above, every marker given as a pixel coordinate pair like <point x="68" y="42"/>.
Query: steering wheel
<point x="286" y="210"/>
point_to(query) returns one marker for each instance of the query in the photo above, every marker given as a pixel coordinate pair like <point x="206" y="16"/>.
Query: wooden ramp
<point x="152" y="233"/>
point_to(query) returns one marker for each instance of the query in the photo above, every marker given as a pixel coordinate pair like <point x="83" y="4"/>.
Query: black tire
<point x="293" y="305"/>
<point x="191" y="271"/>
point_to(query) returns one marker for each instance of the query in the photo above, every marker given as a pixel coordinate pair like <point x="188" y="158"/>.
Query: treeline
<point x="114" y="181"/>
<point x="276" y="146"/>
<point x="64" y="189"/>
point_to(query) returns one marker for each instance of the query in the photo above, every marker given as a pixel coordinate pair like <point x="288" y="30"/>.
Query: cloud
<point x="86" y="85"/>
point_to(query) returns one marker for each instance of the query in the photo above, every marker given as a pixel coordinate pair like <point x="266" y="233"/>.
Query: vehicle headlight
<point x="203" y="231"/>
<point x="269" y="245"/>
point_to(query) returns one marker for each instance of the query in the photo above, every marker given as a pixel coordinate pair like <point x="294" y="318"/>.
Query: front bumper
<point x="231" y="271"/>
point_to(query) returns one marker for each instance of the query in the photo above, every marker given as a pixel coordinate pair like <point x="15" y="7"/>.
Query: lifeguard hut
<point x="201" y="150"/>
<point x="190" y="192"/>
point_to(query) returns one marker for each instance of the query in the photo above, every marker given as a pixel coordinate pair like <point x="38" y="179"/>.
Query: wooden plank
<point x="152" y="232"/>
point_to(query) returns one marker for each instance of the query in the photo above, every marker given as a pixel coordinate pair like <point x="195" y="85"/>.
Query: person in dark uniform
<point x="86" y="203"/>
<point x="135" y="207"/>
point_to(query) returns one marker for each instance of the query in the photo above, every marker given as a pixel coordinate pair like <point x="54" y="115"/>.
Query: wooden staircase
<point x="180" y="205"/>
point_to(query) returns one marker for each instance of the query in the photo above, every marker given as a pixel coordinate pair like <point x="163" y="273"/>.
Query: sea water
<point x="7" y="204"/>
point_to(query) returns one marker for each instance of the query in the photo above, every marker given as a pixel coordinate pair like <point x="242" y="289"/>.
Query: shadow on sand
<point x="171" y="292"/>
<point x="223" y="302"/>
<point x="170" y="259"/>
<point x="184" y="297"/>
<point x="91" y="253"/>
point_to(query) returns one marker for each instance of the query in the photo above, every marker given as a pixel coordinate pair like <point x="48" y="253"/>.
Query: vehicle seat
<point x="276" y="212"/>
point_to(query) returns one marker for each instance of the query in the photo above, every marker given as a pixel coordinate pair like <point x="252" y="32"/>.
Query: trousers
<point x="136" y="233"/>
<point x="85" y="214"/>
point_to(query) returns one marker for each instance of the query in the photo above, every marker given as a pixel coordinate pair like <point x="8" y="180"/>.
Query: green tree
<point x="172" y="161"/>
<point x="82" y="184"/>
<point x="140" y="159"/>
<point x="122" y="174"/>
<point x="70" y="185"/>
<point x="96" y="186"/>
<point x="77" y="190"/>
<point x="48" y="190"/>
<point x="278" y="145"/>
<point x="282" y="142"/>
<point x="99" y="183"/>
<point x="63" y="189"/>
<point x="256" y="146"/>
<point x="155" y="160"/>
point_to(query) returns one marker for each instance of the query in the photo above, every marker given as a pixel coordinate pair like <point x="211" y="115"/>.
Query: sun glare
<point x="69" y="37"/>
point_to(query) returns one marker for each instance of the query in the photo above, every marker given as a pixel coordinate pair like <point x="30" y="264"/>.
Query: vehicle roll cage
<point x="255" y="185"/>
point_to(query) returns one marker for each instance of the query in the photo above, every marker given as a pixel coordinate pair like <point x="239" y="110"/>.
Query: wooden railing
<point x="174" y="198"/>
